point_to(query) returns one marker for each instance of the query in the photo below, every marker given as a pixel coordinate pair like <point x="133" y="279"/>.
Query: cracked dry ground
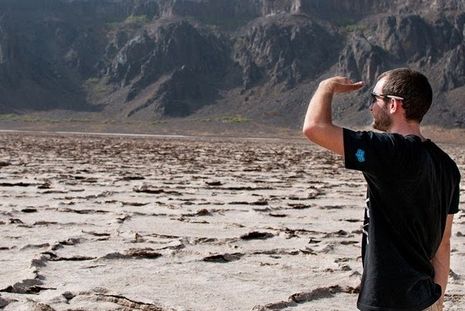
<point x="138" y="223"/>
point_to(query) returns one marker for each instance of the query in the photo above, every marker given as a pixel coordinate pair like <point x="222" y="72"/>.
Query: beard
<point x="382" y="121"/>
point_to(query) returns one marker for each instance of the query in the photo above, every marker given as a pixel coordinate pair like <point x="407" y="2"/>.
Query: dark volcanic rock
<point x="258" y="58"/>
<point x="129" y="60"/>
<point x="185" y="65"/>
<point x="361" y="60"/>
<point x="454" y="69"/>
<point x="284" y="49"/>
<point x="408" y="37"/>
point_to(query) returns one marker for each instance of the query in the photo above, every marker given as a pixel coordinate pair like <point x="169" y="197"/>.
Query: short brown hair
<point x="411" y="85"/>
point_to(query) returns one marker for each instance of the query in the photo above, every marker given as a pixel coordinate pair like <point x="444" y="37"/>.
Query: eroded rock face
<point x="454" y="69"/>
<point x="285" y="49"/>
<point x="412" y="37"/>
<point x="3" y="46"/>
<point x="363" y="61"/>
<point x="157" y="58"/>
<point x="127" y="63"/>
<point x="186" y="60"/>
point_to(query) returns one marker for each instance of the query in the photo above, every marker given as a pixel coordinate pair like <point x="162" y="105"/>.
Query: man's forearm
<point x="441" y="260"/>
<point x="318" y="125"/>
<point x="319" y="109"/>
<point x="441" y="264"/>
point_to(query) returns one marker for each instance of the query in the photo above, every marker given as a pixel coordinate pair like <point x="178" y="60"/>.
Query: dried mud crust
<point x="94" y="222"/>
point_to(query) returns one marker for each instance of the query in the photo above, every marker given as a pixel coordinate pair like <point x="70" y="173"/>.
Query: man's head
<point x="403" y="86"/>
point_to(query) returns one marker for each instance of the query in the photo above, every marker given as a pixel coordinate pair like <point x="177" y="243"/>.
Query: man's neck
<point x="407" y="128"/>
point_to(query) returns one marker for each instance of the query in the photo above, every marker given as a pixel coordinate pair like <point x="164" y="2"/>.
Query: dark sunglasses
<point x="375" y="96"/>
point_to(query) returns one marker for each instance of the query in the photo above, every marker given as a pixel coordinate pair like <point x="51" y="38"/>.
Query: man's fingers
<point x="341" y="84"/>
<point x="348" y="87"/>
<point x="358" y="84"/>
<point x="348" y="81"/>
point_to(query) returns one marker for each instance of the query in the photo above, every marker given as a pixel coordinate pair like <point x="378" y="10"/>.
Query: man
<point x="413" y="190"/>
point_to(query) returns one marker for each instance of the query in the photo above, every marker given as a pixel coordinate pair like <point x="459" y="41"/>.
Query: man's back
<point x="412" y="187"/>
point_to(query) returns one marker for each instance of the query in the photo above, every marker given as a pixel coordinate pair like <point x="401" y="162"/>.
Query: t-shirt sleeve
<point x="454" y="207"/>
<point x="369" y="151"/>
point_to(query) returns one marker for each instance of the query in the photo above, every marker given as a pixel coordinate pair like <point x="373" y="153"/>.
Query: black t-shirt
<point x="412" y="186"/>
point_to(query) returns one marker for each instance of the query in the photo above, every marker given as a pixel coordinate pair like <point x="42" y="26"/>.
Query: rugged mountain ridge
<point x="149" y="59"/>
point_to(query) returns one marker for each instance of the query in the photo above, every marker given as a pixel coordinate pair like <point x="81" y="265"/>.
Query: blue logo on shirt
<point x="360" y="154"/>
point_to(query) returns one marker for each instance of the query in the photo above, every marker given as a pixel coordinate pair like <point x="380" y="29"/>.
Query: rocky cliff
<point x="150" y="59"/>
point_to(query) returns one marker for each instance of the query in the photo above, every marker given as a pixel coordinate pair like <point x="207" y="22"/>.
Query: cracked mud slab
<point x="134" y="223"/>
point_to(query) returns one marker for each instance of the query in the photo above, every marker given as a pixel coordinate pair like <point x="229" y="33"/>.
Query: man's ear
<point x="394" y="105"/>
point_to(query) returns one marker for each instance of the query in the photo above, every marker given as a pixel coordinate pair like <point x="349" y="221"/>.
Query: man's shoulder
<point x="393" y="139"/>
<point x="445" y="158"/>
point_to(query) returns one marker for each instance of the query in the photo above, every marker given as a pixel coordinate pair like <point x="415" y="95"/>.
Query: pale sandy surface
<point x="110" y="223"/>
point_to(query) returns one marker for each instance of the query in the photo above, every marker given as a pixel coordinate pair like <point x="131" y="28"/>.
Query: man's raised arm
<point x="318" y="126"/>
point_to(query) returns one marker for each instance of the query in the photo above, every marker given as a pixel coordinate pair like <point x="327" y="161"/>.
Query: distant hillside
<point x="260" y="59"/>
